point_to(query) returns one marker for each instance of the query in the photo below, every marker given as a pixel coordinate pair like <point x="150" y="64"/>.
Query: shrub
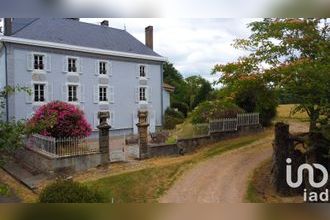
<point x="65" y="191"/>
<point x="172" y="118"/>
<point x="214" y="110"/>
<point x="11" y="134"/>
<point x="59" y="119"/>
<point x="255" y="96"/>
<point x="182" y="107"/>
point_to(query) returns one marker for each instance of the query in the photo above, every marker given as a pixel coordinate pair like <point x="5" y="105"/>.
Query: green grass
<point x="4" y="190"/>
<point x="251" y="194"/>
<point x="221" y="149"/>
<point x="285" y="112"/>
<point x="139" y="186"/>
<point x="149" y="184"/>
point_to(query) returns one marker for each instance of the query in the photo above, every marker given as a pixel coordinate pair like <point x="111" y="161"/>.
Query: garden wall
<point x="51" y="165"/>
<point x="188" y="145"/>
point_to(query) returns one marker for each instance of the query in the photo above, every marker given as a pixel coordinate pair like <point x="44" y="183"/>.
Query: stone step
<point x="24" y="175"/>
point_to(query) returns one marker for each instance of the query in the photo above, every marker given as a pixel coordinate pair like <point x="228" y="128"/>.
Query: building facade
<point x="95" y="76"/>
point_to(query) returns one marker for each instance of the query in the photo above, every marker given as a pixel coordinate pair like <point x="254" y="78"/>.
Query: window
<point x="72" y="93"/>
<point x="38" y="63"/>
<point x="72" y="65"/>
<point x="39" y="92"/>
<point x="143" y="96"/>
<point x="102" y="68"/>
<point x="142" y="71"/>
<point x="103" y="96"/>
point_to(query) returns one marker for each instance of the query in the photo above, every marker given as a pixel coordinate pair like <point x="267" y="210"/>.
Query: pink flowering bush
<point x="59" y="119"/>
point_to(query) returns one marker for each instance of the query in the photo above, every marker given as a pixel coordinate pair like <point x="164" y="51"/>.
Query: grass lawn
<point x="261" y="191"/>
<point x="285" y="112"/>
<point x="148" y="184"/>
<point x="4" y="190"/>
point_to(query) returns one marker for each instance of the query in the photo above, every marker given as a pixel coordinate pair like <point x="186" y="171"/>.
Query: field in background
<point x="285" y="112"/>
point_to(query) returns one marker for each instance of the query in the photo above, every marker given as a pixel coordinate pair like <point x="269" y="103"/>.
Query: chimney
<point x="8" y="29"/>
<point x="149" y="37"/>
<point x="105" y="23"/>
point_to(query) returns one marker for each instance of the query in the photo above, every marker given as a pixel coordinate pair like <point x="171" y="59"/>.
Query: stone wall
<point x="158" y="150"/>
<point x="188" y="145"/>
<point x="51" y="165"/>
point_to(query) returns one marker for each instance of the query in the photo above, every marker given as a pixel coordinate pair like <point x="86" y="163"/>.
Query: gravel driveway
<point x="223" y="178"/>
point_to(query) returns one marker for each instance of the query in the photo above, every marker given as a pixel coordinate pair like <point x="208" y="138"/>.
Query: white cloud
<point x="194" y="46"/>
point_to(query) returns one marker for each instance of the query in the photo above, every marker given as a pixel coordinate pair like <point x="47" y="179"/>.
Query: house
<point x="96" y="67"/>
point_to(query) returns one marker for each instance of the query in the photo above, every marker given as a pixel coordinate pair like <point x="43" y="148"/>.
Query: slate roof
<point x="73" y="32"/>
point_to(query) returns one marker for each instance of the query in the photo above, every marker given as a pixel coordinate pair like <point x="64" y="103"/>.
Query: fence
<point x="247" y="119"/>
<point x="61" y="147"/>
<point x="231" y="124"/>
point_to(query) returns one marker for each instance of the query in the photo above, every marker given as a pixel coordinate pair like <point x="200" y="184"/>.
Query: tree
<point x="11" y="131"/>
<point x="189" y="91"/>
<point x="290" y="54"/>
<point x="198" y="90"/>
<point x="174" y="78"/>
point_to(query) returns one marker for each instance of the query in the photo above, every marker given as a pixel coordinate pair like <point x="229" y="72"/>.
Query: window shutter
<point x="137" y="93"/>
<point x="97" y="68"/>
<point x="146" y="69"/>
<point x="96" y="94"/>
<point x="109" y="68"/>
<point x="48" y="63"/>
<point x="64" y="93"/>
<point x="112" y="118"/>
<point x="82" y="93"/>
<point x="111" y="94"/>
<point x="50" y="95"/>
<point x="135" y="121"/>
<point x="28" y="97"/>
<point x="65" y="64"/>
<point x="95" y="121"/>
<point x="138" y="71"/>
<point x="80" y="66"/>
<point x="149" y="94"/>
<point x="29" y="62"/>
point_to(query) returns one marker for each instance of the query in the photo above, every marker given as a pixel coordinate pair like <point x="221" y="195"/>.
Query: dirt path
<point x="223" y="178"/>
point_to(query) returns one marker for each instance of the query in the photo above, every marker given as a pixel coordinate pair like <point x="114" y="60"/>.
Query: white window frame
<point x="33" y="83"/>
<point x="107" y="68"/>
<point x="44" y="55"/>
<point x="78" y="93"/>
<point x="145" y="94"/>
<point x="107" y="94"/>
<point x="145" y="71"/>
<point x="77" y="65"/>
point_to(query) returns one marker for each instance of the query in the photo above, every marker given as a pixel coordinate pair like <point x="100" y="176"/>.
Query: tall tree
<point x="290" y="54"/>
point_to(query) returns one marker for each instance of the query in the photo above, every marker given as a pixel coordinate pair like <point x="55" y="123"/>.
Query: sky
<point x="193" y="45"/>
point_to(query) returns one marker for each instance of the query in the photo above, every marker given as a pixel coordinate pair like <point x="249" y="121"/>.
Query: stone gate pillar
<point x="143" y="133"/>
<point x="104" y="136"/>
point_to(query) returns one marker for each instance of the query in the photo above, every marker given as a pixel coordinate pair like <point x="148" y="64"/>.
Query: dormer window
<point x="102" y="68"/>
<point x="143" y="71"/>
<point x="72" y="65"/>
<point x="38" y="63"/>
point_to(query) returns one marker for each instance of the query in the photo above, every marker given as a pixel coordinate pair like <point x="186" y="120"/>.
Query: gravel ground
<point x="223" y="178"/>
